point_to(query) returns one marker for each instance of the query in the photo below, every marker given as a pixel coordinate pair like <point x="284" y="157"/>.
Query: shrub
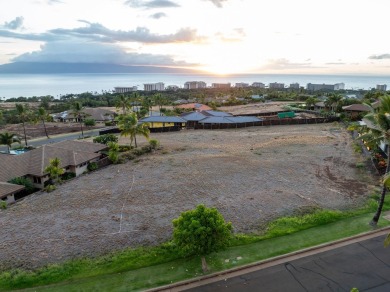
<point x="3" y="205"/>
<point x="137" y="151"/>
<point x="50" y="188"/>
<point x="124" y="148"/>
<point x="109" y="123"/>
<point x="68" y="175"/>
<point x="23" y="182"/>
<point x="154" y="143"/>
<point x="146" y="149"/>
<point x="113" y="156"/>
<point x="105" y="139"/>
<point x="92" y="166"/>
<point x="89" y="122"/>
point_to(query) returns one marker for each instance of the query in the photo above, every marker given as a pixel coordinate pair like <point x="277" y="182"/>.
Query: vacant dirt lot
<point x="251" y="175"/>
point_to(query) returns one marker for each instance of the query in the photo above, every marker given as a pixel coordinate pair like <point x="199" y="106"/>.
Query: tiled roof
<point x="98" y="114"/>
<point x="357" y="107"/>
<point x="193" y="116"/>
<point x="34" y="162"/>
<point x="7" y="189"/>
<point x="216" y="113"/>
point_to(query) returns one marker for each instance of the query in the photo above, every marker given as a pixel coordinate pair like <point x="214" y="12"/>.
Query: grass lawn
<point x="181" y="269"/>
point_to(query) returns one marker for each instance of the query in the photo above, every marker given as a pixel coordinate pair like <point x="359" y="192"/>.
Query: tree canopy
<point x="201" y="231"/>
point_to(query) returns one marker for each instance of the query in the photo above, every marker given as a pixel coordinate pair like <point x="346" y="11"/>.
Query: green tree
<point x="129" y="126"/>
<point x="123" y="102"/>
<point x="23" y="114"/>
<point x="310" y="102"/>
<point x="201" y="231"/>
<point x="23" y="181"/>
<point x="113" y="152"/>
<point x="379" y="130"/>
<point x="42" y="115"/>
<point x="89" y="122"/>
<point x="105" y="139"/>
<point x="54" y="170"/>
<point x="79" y="115"/>
<point x="7" y="138"/>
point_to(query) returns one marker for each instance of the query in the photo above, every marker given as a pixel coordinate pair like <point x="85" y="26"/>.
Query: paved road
<point x="364" y="265"/>
<point x="56" y="138"/>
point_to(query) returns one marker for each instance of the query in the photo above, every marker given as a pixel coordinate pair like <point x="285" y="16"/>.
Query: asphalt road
<point x="364" y="265"/>
<point x="56" y="138"/>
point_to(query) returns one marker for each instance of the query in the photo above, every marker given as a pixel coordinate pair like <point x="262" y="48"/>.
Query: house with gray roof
<point x="74" y="156"/>
<point x="164" y="123"/>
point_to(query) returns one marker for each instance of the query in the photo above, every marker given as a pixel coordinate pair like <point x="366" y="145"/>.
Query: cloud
<point x="284" y="64"/>
<point x="51" y="2"/>
<point x="151" y="4"/>
<point x="379" y="57"/>
<point x="158" y="15"/>
<point x="236" y="35"/>
<point x="218" y="3"/>
<point x="98" y="32"/>
<point x="14" y="24"/>
<point x="91" y="52"/>
<point x="335" y="63"/>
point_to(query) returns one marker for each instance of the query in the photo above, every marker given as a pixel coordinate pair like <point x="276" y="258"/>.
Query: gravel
<point x="250" y="175"/>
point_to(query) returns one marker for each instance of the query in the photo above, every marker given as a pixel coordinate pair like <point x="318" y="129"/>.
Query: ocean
<point x="28" y="85"/>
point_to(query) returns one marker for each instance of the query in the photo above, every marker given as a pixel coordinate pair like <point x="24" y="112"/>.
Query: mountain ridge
<point x="52" y="68"/>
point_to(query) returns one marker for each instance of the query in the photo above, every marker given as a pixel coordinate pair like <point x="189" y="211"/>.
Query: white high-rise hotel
<point x="194" y="84"/>
<point x="154" y="86"/>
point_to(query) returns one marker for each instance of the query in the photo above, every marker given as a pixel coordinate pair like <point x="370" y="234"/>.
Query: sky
<point x="217" y="36"/>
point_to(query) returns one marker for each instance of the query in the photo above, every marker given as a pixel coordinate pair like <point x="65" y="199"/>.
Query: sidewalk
<point x="227" y="274"/>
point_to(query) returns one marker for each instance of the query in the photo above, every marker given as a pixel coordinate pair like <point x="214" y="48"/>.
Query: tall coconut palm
<point x="378" y="129"/>
<point x="42" y="115"/>
<point x="79" y="115"/>
<point x="124" y="103"/>
<point x="7" y="139"/>
<point x="129" y="126"/>
<point x="24" y="116"/>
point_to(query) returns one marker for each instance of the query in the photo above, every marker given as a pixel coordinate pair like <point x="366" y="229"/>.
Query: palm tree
<point x="7" y="139"/>
<point x="310" y="101"/>
<point x="378" y="129"/>
<point x="42" y="115"/>
<point x="23" y="115"/>
<point x="79" y="115"/>
<point x="123" y="102"/>
<point x="54" y="169"/>
<point x="129" y="126"/>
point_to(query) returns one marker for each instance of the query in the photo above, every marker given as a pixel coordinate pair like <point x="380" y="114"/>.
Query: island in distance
<point x="57" y="68"/>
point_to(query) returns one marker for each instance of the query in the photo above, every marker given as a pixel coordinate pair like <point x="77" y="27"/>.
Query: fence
<point x="270" y="122"/>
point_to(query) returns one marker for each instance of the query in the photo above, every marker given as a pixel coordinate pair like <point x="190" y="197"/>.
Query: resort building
<point x="125" y="89"/>
<point x="381" y="87"/>
<point x="258" y="85"/>
<point x="220" y="85"/>
<point x="241" y="85"/>
<point x="294" y="85"/>
<point x="154" y="86"/>
<point x="276" y="85"/>
<point x="172" y="87"/>
<point x="194" y="84"/>
<point x="329" y="87"/>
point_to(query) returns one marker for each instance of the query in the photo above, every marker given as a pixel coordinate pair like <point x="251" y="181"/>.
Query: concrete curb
<point x="198" y="281"/>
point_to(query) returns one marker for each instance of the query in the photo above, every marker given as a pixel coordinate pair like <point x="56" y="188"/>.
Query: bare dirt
<point x="251" y="175"/>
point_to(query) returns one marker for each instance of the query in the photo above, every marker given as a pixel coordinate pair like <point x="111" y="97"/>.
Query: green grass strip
<point x="181" y="269"/>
